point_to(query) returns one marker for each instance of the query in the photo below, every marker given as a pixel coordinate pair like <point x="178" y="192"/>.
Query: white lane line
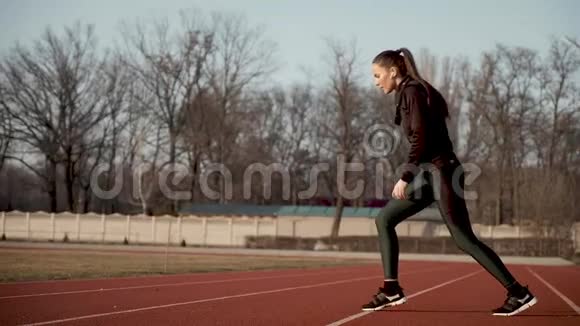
<point x="203" y="300"/>
<point x="146" y="277"/>
<point x="124" y="278"/>
<point x="364" y="313"/>
<point x="558" y="293"/>
<point x="50" y="322"/>
<point x="100" y="290"/>
<point x="166" y="285"/>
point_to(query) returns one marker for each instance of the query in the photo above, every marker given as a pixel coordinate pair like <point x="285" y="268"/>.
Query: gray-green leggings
<point x="421" y="193"/>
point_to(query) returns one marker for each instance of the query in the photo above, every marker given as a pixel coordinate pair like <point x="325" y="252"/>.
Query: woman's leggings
<point x="420" y="194"/>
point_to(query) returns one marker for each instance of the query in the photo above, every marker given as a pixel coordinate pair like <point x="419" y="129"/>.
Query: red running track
<point x="439" y="294"/>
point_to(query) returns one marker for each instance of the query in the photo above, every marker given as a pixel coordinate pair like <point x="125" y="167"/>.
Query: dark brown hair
<point x="405" y="63"/>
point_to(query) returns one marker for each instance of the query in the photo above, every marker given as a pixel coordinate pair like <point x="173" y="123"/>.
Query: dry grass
<point x="33" y="265"/>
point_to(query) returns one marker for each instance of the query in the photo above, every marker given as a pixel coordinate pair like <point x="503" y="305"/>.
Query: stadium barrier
<point x="260" y="232"/>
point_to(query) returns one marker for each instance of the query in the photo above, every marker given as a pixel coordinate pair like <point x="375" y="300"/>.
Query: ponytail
<point x="410" y="64"/>
<point x="432" y="93"/>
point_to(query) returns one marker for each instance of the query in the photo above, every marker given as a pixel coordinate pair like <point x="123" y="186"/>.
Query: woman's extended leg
<point x="454" y="212"/>
<point x="449" y="195"/>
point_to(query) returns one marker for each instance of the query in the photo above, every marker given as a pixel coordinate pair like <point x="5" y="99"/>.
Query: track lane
<point x="313" y="305"/>
<point x="470" y="301"/>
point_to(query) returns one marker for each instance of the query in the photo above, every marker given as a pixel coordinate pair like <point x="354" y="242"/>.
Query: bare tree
<point x="340" y="121"/>
<point x="502" y="94"/>
<point x="558" y="95"/>
<point x="169" y="67"/>
<point x="478" y="137"/>
<point x="51" y="95"/>
<point x="140" y="156"/>
<point x="147" y="173"/>
<point x="242" y="58"/>
<point x="6" y="132"/>
<point x="30" y="109"/>
<point x="554" y="131"/>
<point x="522" y="118"/>
<point x="296" y="152"/>
<point x="282" y="126"/>
<point x="197" y="130"/>
<point x="83" y="90"/>
<point x="104" y="143"/>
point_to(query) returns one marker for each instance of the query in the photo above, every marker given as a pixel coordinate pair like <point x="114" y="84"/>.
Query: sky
<point x="299" y="27"/>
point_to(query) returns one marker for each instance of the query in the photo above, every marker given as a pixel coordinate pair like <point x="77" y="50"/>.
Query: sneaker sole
<point x="394" y="303"/>
<point x="522" y="308"/>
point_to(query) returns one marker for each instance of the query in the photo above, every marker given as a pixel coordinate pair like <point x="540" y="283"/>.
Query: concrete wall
<point x="219" y="231"/>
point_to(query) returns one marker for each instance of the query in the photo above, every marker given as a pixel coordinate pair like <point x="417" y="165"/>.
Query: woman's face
<point x="385" y="78"/>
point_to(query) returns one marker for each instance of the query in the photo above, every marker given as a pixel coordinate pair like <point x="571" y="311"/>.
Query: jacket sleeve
<point x="416" y="102"/>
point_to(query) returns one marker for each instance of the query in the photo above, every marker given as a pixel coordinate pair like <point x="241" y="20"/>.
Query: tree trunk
<point x="52" y="184"/>
<point x="337" y="218"/>
<point x="174" y="206"/>
<point x="194" y="165"/>
<point x="112" y="174"/>
<point x="69" y="180"/>
<point x="86" y="201"/>
<point x="294" y="192"/>
<point x="498" y="199"/>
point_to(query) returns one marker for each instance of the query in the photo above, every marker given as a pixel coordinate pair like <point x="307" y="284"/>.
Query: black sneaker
<point x="382" y="300"/>
<point x="514" y="305"/>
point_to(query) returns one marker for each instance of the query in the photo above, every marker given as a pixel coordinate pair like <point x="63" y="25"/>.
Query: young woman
<point x="422" y="111"/>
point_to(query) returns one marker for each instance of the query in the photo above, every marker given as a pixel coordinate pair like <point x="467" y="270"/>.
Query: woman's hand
<point x="399" y="190"/>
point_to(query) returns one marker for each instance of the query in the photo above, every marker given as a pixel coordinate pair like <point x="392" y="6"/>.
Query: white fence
<point x="215" y="231"/>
